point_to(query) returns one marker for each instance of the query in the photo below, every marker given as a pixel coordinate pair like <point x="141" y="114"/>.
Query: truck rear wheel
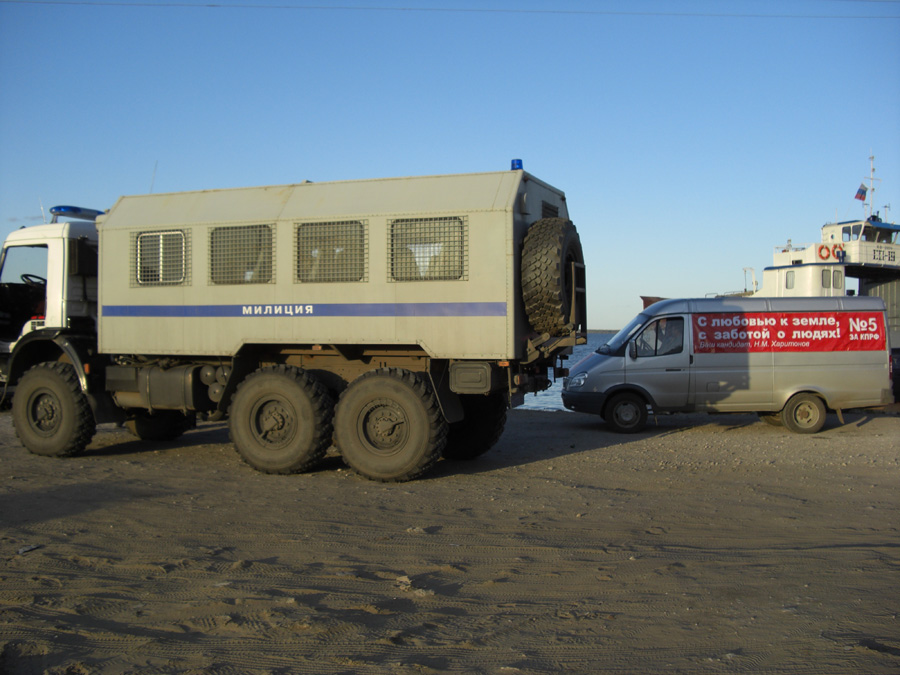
<point x="388" y="425"/>
<point x="804" y="414"/>
<point x="51" y="414"/>
<point x="280" y="420"/>
<point x="480" y="429"/>
<point x="163" y="425"/>
<point x="550" y="248"/>
<point x="626" y="413"/>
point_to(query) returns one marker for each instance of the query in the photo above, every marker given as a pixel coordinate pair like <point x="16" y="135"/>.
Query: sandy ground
<point x="704" y="545"/>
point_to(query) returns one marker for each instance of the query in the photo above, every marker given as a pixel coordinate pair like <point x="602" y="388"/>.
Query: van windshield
<point x="624" y="335"/>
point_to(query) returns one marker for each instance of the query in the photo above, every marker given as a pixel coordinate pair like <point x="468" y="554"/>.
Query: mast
<point x="870" y="195"/>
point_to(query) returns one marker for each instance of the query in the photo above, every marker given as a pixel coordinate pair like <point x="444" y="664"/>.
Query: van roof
<point x="742" y="304"/>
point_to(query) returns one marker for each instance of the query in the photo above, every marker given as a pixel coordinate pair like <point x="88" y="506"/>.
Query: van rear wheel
<point x="773" y="419"/>
<point x="804" y="414"/>
<point x="626" y="413"/>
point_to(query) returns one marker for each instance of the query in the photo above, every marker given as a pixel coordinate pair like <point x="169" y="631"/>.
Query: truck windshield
<point x="623" y="335"/>
<point x="19" y="260"/>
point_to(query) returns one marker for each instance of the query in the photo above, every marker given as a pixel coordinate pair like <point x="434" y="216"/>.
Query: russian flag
<point x="861" y="193"/>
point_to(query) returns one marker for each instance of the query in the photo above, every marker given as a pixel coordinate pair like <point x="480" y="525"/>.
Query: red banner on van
<point x="789" y="332"/>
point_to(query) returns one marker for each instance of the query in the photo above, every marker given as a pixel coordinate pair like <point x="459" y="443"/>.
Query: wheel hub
<point x="46" y="413"/>
<point x="384" y="426"/>
<point x="274" y="424"/>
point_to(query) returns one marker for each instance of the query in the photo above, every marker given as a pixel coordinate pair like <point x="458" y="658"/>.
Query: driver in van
<point x="672" y="341"/>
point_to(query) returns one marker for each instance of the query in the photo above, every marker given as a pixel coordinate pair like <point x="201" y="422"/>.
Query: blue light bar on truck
<point x="517" y="165"/>
<point x="74" y="212"/>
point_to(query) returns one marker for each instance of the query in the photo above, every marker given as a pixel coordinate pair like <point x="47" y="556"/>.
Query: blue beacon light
<point x="517" y="165"/>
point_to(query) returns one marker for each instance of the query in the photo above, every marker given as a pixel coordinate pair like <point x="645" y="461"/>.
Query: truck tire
<point x="550" y="247"/>
<point x="481" y="427"/>
<point x="51" y="413"/>
<point x="804" y="413"/>
<point x="626" y="413"/>
<point x="280" y="420"/>
<point x="388" y="425"/>
<point x="163" y="425"/>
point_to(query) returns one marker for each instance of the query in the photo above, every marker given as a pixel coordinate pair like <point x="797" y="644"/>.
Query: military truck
<point x="395" y="319"/>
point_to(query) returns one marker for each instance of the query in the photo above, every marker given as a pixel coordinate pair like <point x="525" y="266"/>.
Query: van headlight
<point x="576" y="381"/>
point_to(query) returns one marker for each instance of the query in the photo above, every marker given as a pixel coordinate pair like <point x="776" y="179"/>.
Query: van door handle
<point x="674" y="370"/>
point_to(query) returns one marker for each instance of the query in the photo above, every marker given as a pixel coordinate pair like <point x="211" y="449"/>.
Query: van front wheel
<point x="626" y="413"/>
<point x="804" y="414"/>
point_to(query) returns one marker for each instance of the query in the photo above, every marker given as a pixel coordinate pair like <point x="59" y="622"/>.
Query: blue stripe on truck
<point x="384" y="309"/>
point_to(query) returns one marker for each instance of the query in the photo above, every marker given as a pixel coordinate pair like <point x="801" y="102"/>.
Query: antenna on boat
<point x="871" y="193"/>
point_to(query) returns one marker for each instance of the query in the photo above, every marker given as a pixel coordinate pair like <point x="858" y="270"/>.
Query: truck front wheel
<point x="51" y="414"/>
<point x="388" y="425"/>
<point x="626" y="413"/>
<point x="280" y="420"/>
<point x="804" y="414"/>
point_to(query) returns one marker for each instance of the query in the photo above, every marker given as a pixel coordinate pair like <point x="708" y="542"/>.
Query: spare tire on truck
<point x="548" y="281"/>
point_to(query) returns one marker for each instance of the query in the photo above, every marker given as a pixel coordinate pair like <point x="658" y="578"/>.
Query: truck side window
<point x="330" y="252"/>
<point x="428" y="249"/>
<point x="241" y="254"/>
<point x="160" y="258"/>
<point x="665" y="336"/>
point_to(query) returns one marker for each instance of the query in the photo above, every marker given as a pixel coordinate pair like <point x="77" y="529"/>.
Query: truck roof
<point x="494" y="191"/>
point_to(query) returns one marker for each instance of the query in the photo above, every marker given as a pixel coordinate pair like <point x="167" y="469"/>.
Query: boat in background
<point x="866" y="250"/>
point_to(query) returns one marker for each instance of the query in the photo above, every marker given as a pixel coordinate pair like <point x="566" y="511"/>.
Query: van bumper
<point x="584" y="401"/>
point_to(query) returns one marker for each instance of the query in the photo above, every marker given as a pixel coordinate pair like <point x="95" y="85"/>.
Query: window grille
<point x="549" y="210"/>
<point x="428" y="249"/>
<point x="331" y="252"/>
<point x="160" y="258"/>
<point x="242" y="254"/>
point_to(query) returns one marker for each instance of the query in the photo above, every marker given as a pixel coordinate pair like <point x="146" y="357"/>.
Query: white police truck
<point x="396" y="319"/>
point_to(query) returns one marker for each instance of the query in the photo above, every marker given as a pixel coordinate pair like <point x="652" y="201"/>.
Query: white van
<point x="787" y="359"/>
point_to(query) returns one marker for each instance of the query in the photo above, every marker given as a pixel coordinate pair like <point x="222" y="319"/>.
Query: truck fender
<point x="52" y="345"/>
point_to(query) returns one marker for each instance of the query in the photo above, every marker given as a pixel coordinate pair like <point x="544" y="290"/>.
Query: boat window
<point x="826" y="278"/>
<point x="789" y="280"/>
<point x="838" y="279"/>
<point x="883" y="236"/>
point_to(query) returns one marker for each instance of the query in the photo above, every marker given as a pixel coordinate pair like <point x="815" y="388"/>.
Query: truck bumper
<point x="584" y="401"/>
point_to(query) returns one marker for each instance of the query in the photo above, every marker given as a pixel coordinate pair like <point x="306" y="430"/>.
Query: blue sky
<point x="691" y="137"/>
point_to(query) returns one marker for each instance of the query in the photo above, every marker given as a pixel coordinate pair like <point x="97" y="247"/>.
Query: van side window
<point x="665" y="336"/>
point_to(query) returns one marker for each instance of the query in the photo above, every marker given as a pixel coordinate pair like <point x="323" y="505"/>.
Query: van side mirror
<point x="632" y="349"/>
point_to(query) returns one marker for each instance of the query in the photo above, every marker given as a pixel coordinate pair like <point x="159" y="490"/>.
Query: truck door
<point x="659" y="361"/>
